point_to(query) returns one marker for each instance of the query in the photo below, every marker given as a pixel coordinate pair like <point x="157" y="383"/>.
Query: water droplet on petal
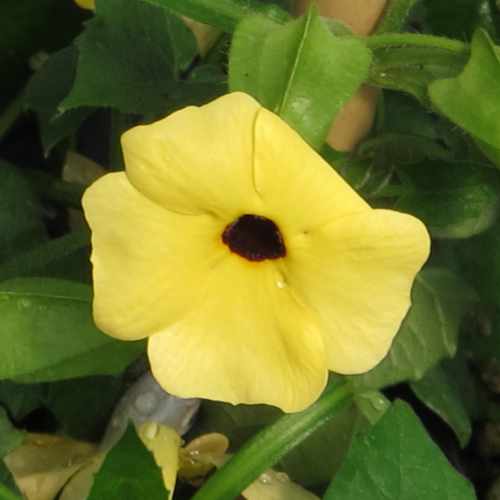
<point x="265" y="478"/>
<point x="151" y="430"/>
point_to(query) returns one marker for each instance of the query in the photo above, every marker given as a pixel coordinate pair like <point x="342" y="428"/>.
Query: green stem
<point x="271" y="444"/>
<point x="6" y="494"/>
<point x="223" y="14"/>
<point x="395" y="16"/>
<point x="11" y="113"/>
<point x="411" y="39"/>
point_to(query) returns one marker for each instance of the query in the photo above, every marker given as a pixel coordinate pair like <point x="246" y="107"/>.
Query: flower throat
<point x="254" y="238"/>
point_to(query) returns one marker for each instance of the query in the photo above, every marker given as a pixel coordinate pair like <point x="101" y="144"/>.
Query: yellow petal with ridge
<point x="356" y="273"/>
<point x="148" y="263"/>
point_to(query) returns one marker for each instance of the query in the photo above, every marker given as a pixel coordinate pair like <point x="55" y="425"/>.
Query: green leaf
<point x="439" y="392"/>
<point x="480" y="262"/>
<point x="129" y="472"/>
<point x="483" y="343"/>
<point x="21" y="224"/>
<point x="28" y="27"/>
<point x="8" y="487"/>
<point x="10" y="437"/>
<point x="83" y="406"/>
<point x="131" y="56"/>
<point x="429" y="332"/>
<point x="456" y="21"/>
<point x="46" y="327"/>
<point x="454" y="200"/>
<point x="45" y="91"/>
<point x="397" y="459"/>
<point x="224" y="14"/>
<point x="300" y="71"/>
<point x="35" y="261"/>
<point x="372" y="405"/>
<point x="21" y="399"/>
<point x="472" y="99"/>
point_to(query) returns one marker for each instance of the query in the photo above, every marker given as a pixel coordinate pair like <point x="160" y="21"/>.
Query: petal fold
<point x="148" y="263"/>
<point x="197" y="160"/>
<point x="298" y="189"/>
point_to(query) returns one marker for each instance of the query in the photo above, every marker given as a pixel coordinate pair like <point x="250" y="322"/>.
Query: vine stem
<point x="271" y="444"/>
<point x="416" y="40"/>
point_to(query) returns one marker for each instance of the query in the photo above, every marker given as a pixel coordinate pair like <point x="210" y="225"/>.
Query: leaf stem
<point x="271" y="444"/>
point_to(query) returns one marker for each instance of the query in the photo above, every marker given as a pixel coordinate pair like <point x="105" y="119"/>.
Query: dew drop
<point x="23" y="303"/>
<point x="378" y="403"/>
<point x="265" y="478"/>
<point x="151" y="430"/>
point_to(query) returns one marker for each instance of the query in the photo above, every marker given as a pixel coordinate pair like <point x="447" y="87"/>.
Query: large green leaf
<point x="129" y="472"/>
<point x="8" y="487"/>
<point x="35" y="262"/>
<point x="46" y="328"/>
<point x="20" y="399"/>
<point x="130" y="57"/>
<point x="472" y="99"/>
<point x="45" y="91"/>
<point x="397" y="459"/>
<point x="429" y="332"/>
<point x="438" y="390"/>
<point x="84" y="405"/>
<point x="454" y="200"/>
<point x="457" y="20"/>
<point x="21" y="225"/>
<point x="28" y="27"/>
<point x="480" y="262"/>
<point x="300" y="70"/>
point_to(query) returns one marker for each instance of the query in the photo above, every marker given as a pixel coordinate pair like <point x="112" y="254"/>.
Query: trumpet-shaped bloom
<point x="248" y="262"/>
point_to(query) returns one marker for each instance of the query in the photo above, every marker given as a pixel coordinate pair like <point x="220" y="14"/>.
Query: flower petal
<point x="147" y="261"/>
<point x="299" y="190"/>
<point x="249" y="341"/>
<point x="357" y="273"/>
<point x="197" y="160"/>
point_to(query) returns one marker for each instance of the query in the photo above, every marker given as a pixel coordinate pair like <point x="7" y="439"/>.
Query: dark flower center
<point x="255" y="238"/>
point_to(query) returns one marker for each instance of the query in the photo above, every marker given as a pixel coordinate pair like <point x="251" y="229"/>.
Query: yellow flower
<point x="249" y="263"/>
<point x="86" y="4"/>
